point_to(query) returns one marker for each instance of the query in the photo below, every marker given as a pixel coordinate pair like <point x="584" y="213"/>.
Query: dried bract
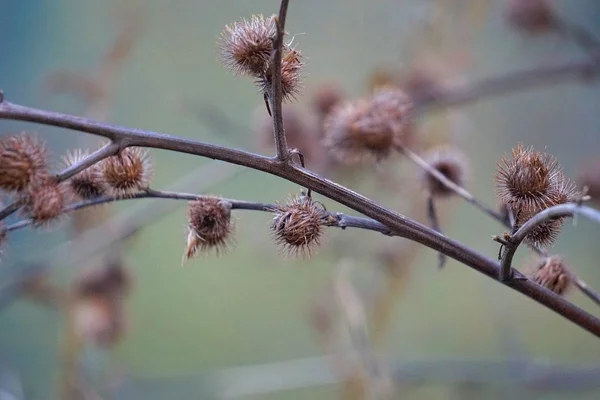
<point x="128" y="171"/>
<point x="530" y="181"/>
<point x="89" y="183"/>
<point x="210" y="226"/>
<point x="298" y="225"/>
<point x="531" y="16"/>
<point x="246" y="45"/>
<point x="23" y="161"/>
<point x="451" y="163"/>
<point x="553" y="274"/>
<point x="44" y="202"/>
<point x="368" y="130"/>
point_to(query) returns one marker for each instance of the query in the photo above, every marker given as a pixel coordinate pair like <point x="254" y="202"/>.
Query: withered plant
<point x="536" y="195"/>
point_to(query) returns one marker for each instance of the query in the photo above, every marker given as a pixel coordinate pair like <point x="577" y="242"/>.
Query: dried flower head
<point x="128" y="171"/>
<point x="298" y="225"/>
<point x="111" y="279"/>
<point x="23" y="160"/>
<point x="326" y="97"/>
<point x="553" y="274"/>
<point x="531" y="181"/>
<point x="368" y="130"/>
<point x="246" y="45"/>
<point x="531" y="16"/>
<point x="44" y="202"/>
<point x="449" y="161"/>
<point x="89" y="183"/>
<point x="210" y="226"/>
<point x="291" y="77"/>
<point x="98" y="311"/>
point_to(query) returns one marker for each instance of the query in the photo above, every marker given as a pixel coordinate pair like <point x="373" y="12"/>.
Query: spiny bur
<point x="529" y="180"/>
<point x="44" y="202"/>
<point x="128" y="171"/>
<point x="23" y="160"/>
<point x="553" y="274"/>
<point x="531" y="16"/>
<point x="246" y="45"/>
<point x="298" y="225"/>
<point x="89" y="183"/>
<point x="325" y="97"/>
<point x="451" y="163"/>
<point x="369" y="129"/>
<point x="291" y="77"/>
<point x="98" y="310"/>
<point x="209" y="227"/>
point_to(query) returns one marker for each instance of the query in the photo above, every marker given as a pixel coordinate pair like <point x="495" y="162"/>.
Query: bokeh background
<point x="190" y="326"/>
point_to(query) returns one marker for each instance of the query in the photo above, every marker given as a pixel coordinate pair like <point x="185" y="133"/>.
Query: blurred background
<point x="249" y="323"/>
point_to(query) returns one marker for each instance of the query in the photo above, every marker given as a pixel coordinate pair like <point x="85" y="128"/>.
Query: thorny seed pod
<point x="531" y="181"/>
<point x="553" y="274"/>
<point x="23" y="160"/>
<point x="44" y="202"/>
<point x="89" y="183"/>
<point x="98" y="311"/>
<point x="246" y="45"/>
<point x="326" y="97"/>
<point x="210" y="226"/>
<point x="530" y="16"/>
<point x="291" y="78"/>
<point x="368" y="130"/>
<point x="449" y="161"/>
<point x="128" y="171"/>
<point x="298" y="225"/>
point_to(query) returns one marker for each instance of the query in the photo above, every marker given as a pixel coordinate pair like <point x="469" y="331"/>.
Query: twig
<point x="559" y="211"/>
<point x="114" y="230"/>
<point x="435" y="224"/>
<point x="511" y="82"/>
<point x="276" y="92"/>
<point x="458" y="190"/>
<point x="398" y="224"/>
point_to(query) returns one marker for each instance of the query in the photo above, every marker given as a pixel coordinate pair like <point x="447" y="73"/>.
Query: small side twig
<point x="435" y="225"/>
<point x="559" y="211"/>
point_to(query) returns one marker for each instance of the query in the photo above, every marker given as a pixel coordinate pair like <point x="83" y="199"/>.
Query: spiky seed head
<point x="531" y="16"/>
<point x="553" y="274"/>
<point x="210" y="226"/>
<point x="246" y="45"/>
<point x="367" y="130"/>
<point x="326" y="97"/>
<point x="128" y="171"/>
<point x="23" y="160"/>
<point x="529" y="180"/>
<point x="449" y="161"/>
<point x="89" y="183"/>
<point x="298" y="226"/>
<point x="112" y="279"/>
<point x="44" y="202"/>
<point x="291" y="77"/>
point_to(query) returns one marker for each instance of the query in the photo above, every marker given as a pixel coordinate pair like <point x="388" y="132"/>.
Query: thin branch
<point x="511" y="82"/>
<point x="579" y="35"/>
<point x="559" y="211"/>
<point x="435" y="224"/>
<point x="398" y="224"/>
<point x="458" y="190"/>
<point x="276" y="95"/>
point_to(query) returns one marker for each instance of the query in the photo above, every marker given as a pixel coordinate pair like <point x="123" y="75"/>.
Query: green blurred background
<point x="250" y="306"/>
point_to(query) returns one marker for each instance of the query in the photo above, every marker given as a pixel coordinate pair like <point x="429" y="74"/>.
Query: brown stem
<point x="435" y="224"/>
<point x="559" y="211"/>
<point x="398" y="224"/>
<point x="276" y="92"/>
